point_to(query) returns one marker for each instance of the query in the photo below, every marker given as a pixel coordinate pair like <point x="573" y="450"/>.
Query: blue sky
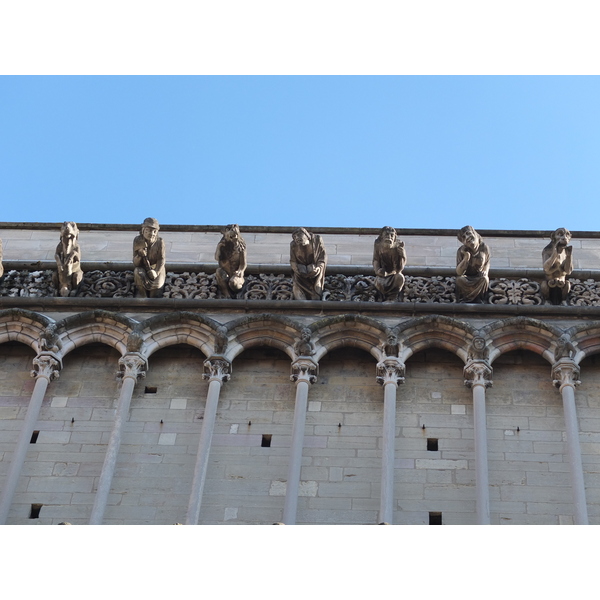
<point x="496" y="152"/>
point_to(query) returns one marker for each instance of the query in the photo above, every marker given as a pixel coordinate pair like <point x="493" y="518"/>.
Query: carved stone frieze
<point x="68" y="274"/>
<point x="27" y="284"/>
<point x="190" y="285"/>
<point x="231" y="256"/>
<point x="584" y="293"/>
<point x="107" y="284"/>
<point x="217" y="368"/>
<point x="268" y="287"/>
<point x="515" y="291"/>
<point x="430" y="289"/>
<point x="304" y="369"/>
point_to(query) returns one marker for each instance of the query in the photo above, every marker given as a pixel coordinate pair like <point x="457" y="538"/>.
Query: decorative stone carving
<point x="515" y="291"/>
<point x="25" y="284"/>
<point x="390" y="370"/>
<point x="48" y="365"/>
<point x="304" y="347"/>
<point x="557" y="257"/>
<point x="107" y="284"/>
<point x="478" y="349"/>
<point x="217" y="368"/>
<point x="430" y="289"/>
<point x="68" y="260"/>
<point x="268" y="287"/>
<point x="304" y="369"/>
<point x="231" y="256"/>
<point x="308" y="260"/>
<point x="49" y="340"/>
<point x="565" y="372"/>
<point x="198" y="286"/>
<point x="472" y="267"/>
<point x="149" y="260"/>
<point x="564" y="347"/>
<point x="1" y="267"/>
<point x="478" y="372"/>
<point x="132" y="364"/>
<point x="389" y="258"/>
<point x="391" y="347"/>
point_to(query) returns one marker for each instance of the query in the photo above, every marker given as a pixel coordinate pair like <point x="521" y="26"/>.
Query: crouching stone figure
<point x="558" y="265"/>
<point x="68" y="274"/>
<point x="389" y="258"/>
<point x="231" y="256"/>
<point x="308" y="260"/>
<point x="472" y="267"/>
<point x="149" y="261"/>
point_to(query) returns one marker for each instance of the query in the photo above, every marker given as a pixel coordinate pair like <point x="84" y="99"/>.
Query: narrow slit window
<point x="34" y="437"/>
<point x="266" y="441"/>
<point x="150" y="390"/>
<point x="435" y="518"/>
<point x="432" y="444"/>
<point x="35" y="511"/>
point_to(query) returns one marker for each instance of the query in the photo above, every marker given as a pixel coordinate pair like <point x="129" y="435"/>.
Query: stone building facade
<point x="261" y="409"/>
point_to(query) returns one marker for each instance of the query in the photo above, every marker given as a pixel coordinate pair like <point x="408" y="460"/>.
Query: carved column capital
<point x="390" y="370"/>
<point x="132" y="364"/>
<point x="48" y="365"/>
<point x="304" y="369"/>
<point x="217" y="368"/>
<point x="565" y="372"/>
<point x="478" y="372"/>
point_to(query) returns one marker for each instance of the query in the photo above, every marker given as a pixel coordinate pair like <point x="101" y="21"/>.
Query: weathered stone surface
<point x="68" y="260"/>
<point x="231" y="256"/>
<point x="149" y="255"/>
<point x="308" y="260"/>
<point x="389" y="258"/>
<point x="557" y="259"/>
<point x="472" y="266"/>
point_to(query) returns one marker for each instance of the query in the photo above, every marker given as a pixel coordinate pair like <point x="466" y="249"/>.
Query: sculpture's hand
<point x="152" y="274"/>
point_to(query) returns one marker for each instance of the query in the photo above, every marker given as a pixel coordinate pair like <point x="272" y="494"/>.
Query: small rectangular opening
<point x="432" y="444"/>
<point x="150" y="390"/>
<point x="34" y="437"/>
<point x="35" y="511"/>
<point x="435" y="518"/>
<point x="266" y="441"/>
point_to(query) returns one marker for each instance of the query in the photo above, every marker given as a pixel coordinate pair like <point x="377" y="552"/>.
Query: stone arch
<point x="349" y="330"/>
<point x="586" y="338"/>
<point x="25" y="326"/>
<point x="435" y="331"/>
<point x="101" y="326"/>
<point x="521" y="332"/>
<point x="182" y="327"/>
<point x="262" y="330"/>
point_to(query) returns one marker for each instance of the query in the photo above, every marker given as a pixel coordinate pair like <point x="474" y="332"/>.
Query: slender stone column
<point x="565" y="375"/>
<point x="131" y="368"/>
<point x="216" y="371"/>
<point x="304" y="372"/>
<point x="390" y="372"/>
<point x="478" y="375"/>
<point x="46" y="367"/>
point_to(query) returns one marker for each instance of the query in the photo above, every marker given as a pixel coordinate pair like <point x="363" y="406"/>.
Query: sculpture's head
<point x="69" y="231"/>
<point x="150" y="230"/>
<point x="469" y="237"/>
<point x="387" y="237"/>
<point x="479" y="343"/>
<point x="305" y="334"/>
<point x="561" y="237"/>
<point x="231" y="232"/>
<point x="301" y="237"/>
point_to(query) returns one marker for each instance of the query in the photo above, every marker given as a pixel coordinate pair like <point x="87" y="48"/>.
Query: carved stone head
<point x="387" y="237"/>
<point x="69" y="232"/>
<point x="150" y="229"/>
<point x="561" y="237"/>
<point x="301" y="237"/>
<point x="469" y="237"/>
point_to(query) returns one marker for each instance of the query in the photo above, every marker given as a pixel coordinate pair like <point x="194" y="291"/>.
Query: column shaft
<point x="481" y="458"/>
<point x="574" y="453"/>
<point x="386" y="510"/>
<point x="18" y="458"/>
<point x="208" y="426"/>
<point x="112" y="451"/>
<point x="293" y="478"/>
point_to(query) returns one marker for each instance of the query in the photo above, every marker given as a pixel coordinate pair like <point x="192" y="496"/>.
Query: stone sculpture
<point x="564" y="348"/>
<point x="557" y="257"/>
<point x="68" y="274"/>
<point x="1" y="267"/>
<point x="478" y="349"/>
<point x="149" y="260"/>
<point x="308" y="260"/>
<point x="472" y="267"/>
<point x="389" y="258"/>
<point x="231" y="256"/>
<point x="304" y="347"/>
